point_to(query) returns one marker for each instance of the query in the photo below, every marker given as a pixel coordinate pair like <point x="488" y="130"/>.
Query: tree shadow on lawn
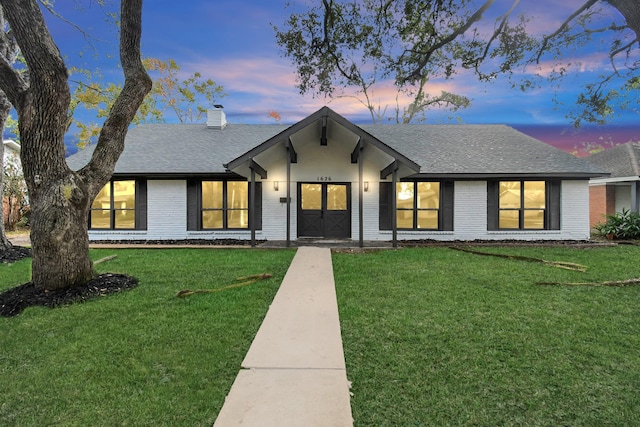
<point x="13" y="301"/>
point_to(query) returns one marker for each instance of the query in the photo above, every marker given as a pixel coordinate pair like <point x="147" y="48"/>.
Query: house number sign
<point x="324" y="178"/>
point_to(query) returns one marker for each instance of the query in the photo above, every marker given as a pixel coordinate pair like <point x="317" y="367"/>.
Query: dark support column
<point x="291" y="156"/>
<point x="252" y="208"/>
<point x="635" y="197"/>
<point x="254" y="167"/>
<point x="394" y="215"/>
<point x="360" y="197"/>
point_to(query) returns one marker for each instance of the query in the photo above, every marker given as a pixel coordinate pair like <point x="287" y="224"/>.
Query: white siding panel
<point x="166" y="209"/>
<point x="574" y="219"/>
<point x="274" y="213"/>
<point x="470" y="210"/>
<point x="622" y="197"/>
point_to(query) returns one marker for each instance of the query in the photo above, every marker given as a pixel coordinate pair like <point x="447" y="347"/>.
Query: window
<point x="524" y="205"/>
<point x="221" y="205"/>
<point x="420" y="205"/>
<point x="120" y="205"/>
<point x="225" y="204"/>
<point x="417" y="205"/>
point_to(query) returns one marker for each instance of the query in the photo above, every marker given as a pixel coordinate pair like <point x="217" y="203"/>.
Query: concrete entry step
<point x="295" y="371"/>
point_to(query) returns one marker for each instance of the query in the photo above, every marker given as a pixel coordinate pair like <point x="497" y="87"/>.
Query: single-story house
<point x="620" y="190"/>
<point x="326" y="177"/>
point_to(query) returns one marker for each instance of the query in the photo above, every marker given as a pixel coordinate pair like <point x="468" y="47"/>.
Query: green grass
<point x="141" y="357"/>
<point x="436" y="337"/>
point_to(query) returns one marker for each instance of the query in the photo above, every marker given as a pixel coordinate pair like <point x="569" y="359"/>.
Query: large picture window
<point x="119" y="206"/>
<point x="221" y="205"/>
<point x="524" y="205"/>
<point x="225" y="204"/>
<point x="420" y="205"/>
<point x="417" y="205"/>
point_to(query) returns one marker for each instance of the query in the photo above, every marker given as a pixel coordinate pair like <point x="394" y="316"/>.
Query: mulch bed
<point x="14" y="300"/>
<point x="182" y="242"/>
<point x="15" y="253"/>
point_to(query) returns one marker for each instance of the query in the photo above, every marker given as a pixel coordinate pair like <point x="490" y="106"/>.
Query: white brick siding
<point x="167" y="216"/>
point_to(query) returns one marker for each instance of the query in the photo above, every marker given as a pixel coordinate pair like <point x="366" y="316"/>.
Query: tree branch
<point x="563" y="27"/>
<point x="136" y="86"/>
<point x="504" y="20"/>
<point x="416" y="74"/>
<point x="11" y="83"/>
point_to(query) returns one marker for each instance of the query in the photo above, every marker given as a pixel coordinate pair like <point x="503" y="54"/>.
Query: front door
<point x="324" y="210"/>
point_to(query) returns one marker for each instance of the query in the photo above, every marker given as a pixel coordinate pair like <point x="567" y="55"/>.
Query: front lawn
<point x="141" y="357"/>
<point x="436" y="337"/>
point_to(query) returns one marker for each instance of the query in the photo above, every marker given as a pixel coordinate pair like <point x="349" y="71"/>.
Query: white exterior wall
<point x="167" y="214"/>
<point x="623" y="197"/>
<point x="574" y="220"/>
<point x="470" y="217"/>
<point x="274" y="213"/>
<point x="166" y="209"/>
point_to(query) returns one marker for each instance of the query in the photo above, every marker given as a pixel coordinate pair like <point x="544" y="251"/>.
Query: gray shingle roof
<point x="620" y="161"/>
<point x="438" y="149"/>
<point x="182" y="149"/>
<point x="478" y="149"/>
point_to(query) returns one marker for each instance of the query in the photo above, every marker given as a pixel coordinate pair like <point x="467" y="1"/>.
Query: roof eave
<point x="507" y="175"/>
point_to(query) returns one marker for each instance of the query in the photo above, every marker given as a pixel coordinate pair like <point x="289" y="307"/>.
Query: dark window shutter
<point x="447" y="208"/>
<point x="141" y="205"/>
<point x="385" y="206"/>
<point x="492" y="205"/>
<point x="193" y="205"/>
<point x="258" y="206"/>
<point x="553" y="204"/>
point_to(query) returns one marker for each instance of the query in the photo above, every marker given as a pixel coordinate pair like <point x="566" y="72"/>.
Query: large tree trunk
<point x="60" y="198"/>
<point x="59" y="238"/>
<point x="631" y="13"/>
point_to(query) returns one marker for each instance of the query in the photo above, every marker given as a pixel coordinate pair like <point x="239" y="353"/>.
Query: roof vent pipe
<point x="216" y="118"/>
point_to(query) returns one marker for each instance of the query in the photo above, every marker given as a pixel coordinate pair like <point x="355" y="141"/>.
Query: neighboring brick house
<point x="328" y="178"/>
<point x="619" y="190"/>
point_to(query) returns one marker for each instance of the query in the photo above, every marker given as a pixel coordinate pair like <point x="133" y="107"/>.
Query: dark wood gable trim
<point x="322" y="114"/>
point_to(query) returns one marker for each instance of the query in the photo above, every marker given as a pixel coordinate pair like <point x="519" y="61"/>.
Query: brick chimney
<point x="216" y="118"/>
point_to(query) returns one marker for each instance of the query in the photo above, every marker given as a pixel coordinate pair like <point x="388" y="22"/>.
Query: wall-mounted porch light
<point x="366" y="186"/>
<point x="276" y="186"/>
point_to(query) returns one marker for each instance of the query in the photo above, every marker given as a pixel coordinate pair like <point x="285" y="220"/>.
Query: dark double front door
<point x="324" y="210"/>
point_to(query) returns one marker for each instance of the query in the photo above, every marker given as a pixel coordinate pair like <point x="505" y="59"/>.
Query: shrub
<point x="622" y="225"/>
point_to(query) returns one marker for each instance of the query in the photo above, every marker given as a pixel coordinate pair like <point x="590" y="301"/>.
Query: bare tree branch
<point x="545" y="42"/>
<point x="417" y="73"/>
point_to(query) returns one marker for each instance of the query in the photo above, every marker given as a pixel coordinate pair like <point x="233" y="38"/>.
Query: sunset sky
<point x="233" y="43"/>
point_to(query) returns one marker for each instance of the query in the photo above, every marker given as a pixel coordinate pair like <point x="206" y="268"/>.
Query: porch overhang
<point x="283" y="141"/>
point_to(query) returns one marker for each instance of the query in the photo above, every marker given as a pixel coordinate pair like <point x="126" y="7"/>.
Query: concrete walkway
<point x="294" y="373"/>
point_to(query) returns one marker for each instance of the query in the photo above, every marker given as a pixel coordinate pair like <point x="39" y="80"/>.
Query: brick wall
<point x="602" y="202"/>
